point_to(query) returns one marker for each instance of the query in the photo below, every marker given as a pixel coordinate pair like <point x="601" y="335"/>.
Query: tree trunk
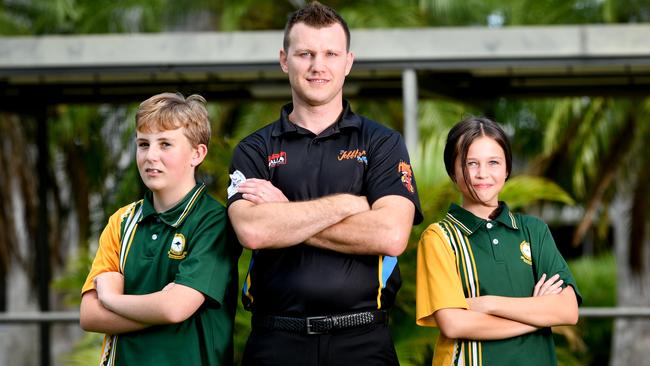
<point x="631" y="340"/>
<point x="19" y="343"/>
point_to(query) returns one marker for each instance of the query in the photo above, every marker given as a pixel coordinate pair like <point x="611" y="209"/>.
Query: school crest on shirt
<point x="177" y="249"/>
<point x="524" y="247"/>
<point x="406" y="175"/>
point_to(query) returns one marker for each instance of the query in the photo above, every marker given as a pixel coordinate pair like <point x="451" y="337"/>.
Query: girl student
<point x="491" y="280"/>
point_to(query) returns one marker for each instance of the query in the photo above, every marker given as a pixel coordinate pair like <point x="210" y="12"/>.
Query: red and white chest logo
<point x="277" y="159"/>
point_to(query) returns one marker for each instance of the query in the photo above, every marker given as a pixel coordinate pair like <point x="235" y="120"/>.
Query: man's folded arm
<point x="382" y="230"/>
<point x="284" y="224"/>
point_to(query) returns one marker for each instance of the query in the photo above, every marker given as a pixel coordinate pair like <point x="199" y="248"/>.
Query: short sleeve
<point x="107" y="258"/>
<point x="389" y="172"/>
<point x="249" y="160"/>
<point x="547" y="258"/>
<point x="438" y="284"/>
<point x="209" y="265"/>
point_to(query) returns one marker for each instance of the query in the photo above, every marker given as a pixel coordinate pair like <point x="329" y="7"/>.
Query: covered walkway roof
<point x="465" y="63"/>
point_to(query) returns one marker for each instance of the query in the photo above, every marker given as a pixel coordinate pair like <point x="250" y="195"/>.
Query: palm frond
<point x="402" y="14"/>
<point x="523" y="190"/>
<point x="254" y="116"/>
<point x="556" y="126"/>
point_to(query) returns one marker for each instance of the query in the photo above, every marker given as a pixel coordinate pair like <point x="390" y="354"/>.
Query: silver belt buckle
<point x="309" y="324"/>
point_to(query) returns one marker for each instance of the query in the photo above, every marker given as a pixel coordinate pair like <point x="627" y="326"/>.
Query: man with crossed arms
<point x="325" y="199"/>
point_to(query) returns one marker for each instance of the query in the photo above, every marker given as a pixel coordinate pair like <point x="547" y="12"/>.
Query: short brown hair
<point x="169" y="111"/>
<point x="315" y="15"/>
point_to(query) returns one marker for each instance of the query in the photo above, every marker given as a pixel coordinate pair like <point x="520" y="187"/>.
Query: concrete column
<point x="410" y="97"/>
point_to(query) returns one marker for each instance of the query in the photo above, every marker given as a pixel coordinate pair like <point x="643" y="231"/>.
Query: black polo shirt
<point x="354" y="155"/>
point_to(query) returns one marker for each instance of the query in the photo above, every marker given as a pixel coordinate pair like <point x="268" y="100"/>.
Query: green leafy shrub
<point x="596" y="278"/>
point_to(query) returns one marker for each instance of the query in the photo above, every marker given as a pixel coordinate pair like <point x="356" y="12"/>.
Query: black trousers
<point x="363" y="346"/>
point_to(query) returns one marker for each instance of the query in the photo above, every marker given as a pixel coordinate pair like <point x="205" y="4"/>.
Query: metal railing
<point x="615" y="312"/>
<point x="73" y="316"/>
<point x="40" y="317"/>
<point x="50" y="317"/>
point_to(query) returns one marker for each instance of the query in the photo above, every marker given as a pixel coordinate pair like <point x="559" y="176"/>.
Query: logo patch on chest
<point x="356" y="154"/>
<point x="524" y="247"/>
<point x="177" y="249"/>
<point x="277" y="159"/>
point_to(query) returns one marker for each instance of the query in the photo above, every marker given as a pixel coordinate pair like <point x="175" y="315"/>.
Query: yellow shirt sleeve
<point x="107" y="258"/>
<point x="438" y="284"/>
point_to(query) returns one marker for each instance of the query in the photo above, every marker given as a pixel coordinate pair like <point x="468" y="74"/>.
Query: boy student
<point x="161" y="284"/>
<point x="326" y="199"/>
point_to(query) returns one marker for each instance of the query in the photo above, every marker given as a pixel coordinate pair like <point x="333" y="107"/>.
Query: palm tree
<point x="608" y="168"/>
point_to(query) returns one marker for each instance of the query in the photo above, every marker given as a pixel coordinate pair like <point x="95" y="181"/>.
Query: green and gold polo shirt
<point x="467" y="256"/>
<point x="189" y="244"/>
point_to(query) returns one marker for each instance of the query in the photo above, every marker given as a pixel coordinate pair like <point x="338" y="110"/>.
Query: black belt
<point x="321" y="324"/>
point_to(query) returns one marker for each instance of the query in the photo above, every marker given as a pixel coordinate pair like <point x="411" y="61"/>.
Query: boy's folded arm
<point x="94" y="317"/>
<point x="173" y="304"/>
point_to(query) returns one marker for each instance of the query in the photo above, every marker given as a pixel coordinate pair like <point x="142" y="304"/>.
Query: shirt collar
<point x="469" y="223"/>
<point x="177" y="214"/>
<point x="347" y="119"/>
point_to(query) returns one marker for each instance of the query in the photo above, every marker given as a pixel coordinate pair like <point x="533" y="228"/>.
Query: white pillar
<point x="410" y="96"/>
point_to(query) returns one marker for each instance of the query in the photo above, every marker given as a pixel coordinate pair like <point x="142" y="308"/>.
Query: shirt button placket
<point x="496" y="250"/>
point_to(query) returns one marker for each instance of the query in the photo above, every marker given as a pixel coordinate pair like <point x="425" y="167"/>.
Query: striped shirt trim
<point x="457" y="353"/>
<point x="466" y="264"/>
<point x="189" y="206"/>
<point x="385" y="268"/>
<point x="512" y="219"/>
<point x="108" y="351"/>
<point x="247" y="283"/>
<point x="475" y="353"/>
<point x="457" y="222"/>
<point x="465" y="353"/>
<point x="129" y="232"/>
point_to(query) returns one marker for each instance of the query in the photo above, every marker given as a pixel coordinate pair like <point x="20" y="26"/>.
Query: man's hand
<point x="260" y="191"/>
<point x="552" y="286"/>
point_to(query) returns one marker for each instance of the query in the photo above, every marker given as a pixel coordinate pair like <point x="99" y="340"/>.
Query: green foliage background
<point x="558" y="143"/>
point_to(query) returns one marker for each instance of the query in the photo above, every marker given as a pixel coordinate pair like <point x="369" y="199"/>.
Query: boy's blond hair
<point x="169" y="111"/>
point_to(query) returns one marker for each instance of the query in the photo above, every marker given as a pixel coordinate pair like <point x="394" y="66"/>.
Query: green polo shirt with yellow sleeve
<point x="466" y="256"/>
<point x="189" y="244"/>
